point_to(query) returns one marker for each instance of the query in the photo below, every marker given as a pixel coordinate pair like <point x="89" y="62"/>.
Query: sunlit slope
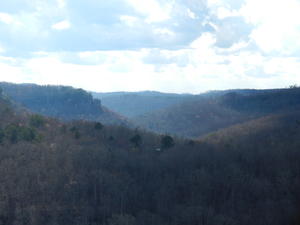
<point x="274" y="131"/>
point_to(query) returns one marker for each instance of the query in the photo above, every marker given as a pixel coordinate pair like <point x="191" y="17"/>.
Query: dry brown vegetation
<point x="92" y="174"/>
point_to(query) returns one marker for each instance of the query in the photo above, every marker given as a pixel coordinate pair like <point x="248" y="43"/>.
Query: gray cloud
<point x="232" y="30"/>
<point x="97" y="26"/>
<point x="235" y="4"/>
<point x="156" y="57"/>
<point x="95" y="12"/>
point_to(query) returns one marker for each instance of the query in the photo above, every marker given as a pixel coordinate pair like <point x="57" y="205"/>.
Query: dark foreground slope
<point x="87" y="174"/>
<point x="61" y="102"/>
<point x="203" y="115"/>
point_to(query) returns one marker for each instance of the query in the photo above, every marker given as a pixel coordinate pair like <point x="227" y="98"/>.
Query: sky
<point x="182" y="46"/>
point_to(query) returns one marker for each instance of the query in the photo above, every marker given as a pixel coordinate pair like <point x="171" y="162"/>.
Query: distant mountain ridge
<point x="134" y="104"/>
<point x="139" y="93"/>
<point x="131" y="104"/>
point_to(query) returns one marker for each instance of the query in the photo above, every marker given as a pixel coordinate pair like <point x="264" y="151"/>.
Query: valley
<point x="239" y="160"/>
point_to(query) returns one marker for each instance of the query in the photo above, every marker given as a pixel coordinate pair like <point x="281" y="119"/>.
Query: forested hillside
<point x="280" y="129"/>
<point x="191" y="118"/>
<point x="61" y="102"/>
<point x="267" y="101"/>
<point x="90" y="174"/>
<point x="183" y="115"/>
<point x="202" y="115"/>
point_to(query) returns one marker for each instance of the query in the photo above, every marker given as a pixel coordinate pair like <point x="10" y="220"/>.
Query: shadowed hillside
<point x="61" y="102"/>
<point x="203" y="115"/>
<point x="191" y="118"/>
<point x="267" y="101"/>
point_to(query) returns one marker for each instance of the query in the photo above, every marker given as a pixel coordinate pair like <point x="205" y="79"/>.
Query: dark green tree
<point x="136" y="140"/>
<point x="2" y="135"/>
<point x="167" y="142"/>
<point x="98" y="126"/>
<point x="27" y="133"/>
<point x="11" y="133"/>
<point x="37" y="121"/>
<point x="75" y="132"/>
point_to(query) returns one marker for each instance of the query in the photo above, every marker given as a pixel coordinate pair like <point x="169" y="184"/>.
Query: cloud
<point x="132" y="24"/>
<point x="232" y="30"/>
<point x="6" y="18"/>
<point x="277" y="30"/>
<point x="152" y="10"/>
<point x="101" y="26"/>
<point x="165" y="45"/>
<point x="63" y="25"/>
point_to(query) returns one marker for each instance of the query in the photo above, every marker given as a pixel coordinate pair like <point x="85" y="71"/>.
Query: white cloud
<point x="154" y="11"/>
<point x="63" y="25"/>
<point x="129" y="20"/>
<point x="204" y="42"/>
<point x="277" y="25"/>
<point x="223" y="13"/>
<point x="126" y="70"/>
<point x="164" y="32"/>
<point x="61" y="3"/>
<point x="191" y="14"/>
<point x="6" y="18"/>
